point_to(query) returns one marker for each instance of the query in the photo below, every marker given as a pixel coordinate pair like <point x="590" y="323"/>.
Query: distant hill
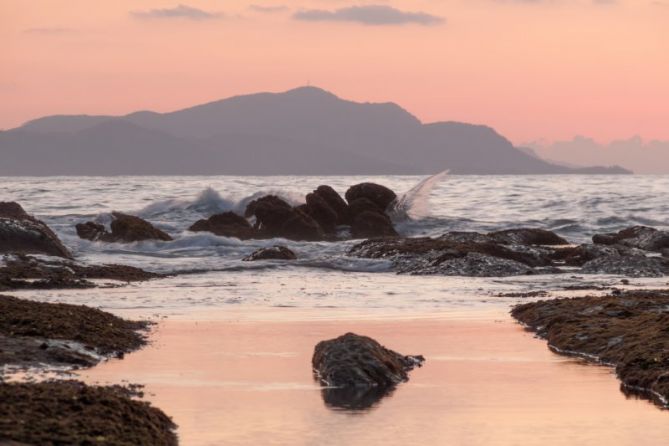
<point x="642" y="156"/>
<point x="302" y="131"/>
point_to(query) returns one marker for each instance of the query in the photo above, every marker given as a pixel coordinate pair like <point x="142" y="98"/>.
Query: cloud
<point x="268" y="8"/>
<point x="368" y="15"/>
<point x="179" y="11"/>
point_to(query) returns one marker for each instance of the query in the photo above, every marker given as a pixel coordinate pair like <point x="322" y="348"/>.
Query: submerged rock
<point x="359" y="361"/>
<point x="641" y="237"/>
<point x="376" y="193"/>
<point x="24" y="234"/>
<point x="273" y="253"/>
<point x="226" y="224"/>
<point x="124" y="229"/>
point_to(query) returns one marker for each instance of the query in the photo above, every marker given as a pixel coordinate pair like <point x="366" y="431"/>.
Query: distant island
<point x="304" y="131"/>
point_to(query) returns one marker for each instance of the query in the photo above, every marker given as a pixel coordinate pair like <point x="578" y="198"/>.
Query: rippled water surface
<point x="231" y="363"/>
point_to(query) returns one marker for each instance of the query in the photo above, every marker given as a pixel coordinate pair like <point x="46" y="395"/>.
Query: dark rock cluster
<point x="319" y="218"/>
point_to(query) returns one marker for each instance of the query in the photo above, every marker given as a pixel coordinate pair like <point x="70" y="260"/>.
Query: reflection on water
<point x="355" y="398"/>
<point x="485" y="382"/>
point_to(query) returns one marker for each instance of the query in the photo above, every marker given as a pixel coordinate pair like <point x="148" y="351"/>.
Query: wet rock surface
<point x="273" y="253"/>
<point x="508" y="253"/>
<point x="124" y="229"/>
<point x="24" y="234"/>
<point x="629" y="331"/>
<point x="641" y="237"/>
<point x="38" y="333"/>
<point x="380" y="195"/>
<point x="27" y="272"/>
<point x="73" y="413"/>
<point x="353" y="361"/>
<point x="226" y="224"/>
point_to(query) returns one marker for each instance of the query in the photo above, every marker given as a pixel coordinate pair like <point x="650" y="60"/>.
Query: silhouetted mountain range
<point x="302" y="131"/>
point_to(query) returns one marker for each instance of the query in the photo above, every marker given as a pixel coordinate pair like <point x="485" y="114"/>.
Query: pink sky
<point x="532" y="69"/>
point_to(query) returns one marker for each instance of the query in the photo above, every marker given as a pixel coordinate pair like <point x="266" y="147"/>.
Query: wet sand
<point x="229" y="379"/>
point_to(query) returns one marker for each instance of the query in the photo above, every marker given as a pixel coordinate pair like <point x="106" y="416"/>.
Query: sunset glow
<point x="531" y="69"/>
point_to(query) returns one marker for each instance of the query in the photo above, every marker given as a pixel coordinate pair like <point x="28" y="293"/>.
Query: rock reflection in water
<point x="355" y="398"/>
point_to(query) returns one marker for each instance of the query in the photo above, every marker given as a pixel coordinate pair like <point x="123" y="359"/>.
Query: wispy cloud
<point x="369" y="15"/>
<point x="268" y="8"/>
<point x="179" y="11"/>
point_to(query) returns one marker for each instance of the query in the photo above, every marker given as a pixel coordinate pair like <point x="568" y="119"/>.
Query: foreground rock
<point x="26" y="272"/>
<point x="358" y="361"/>
<point x="44" y="334"/>
<point x="124" y="229"/>
<point x="71" y="412"/>
<point x="24" y="234"/>
<point x="628" y="331"/>
<point x="273" y="253"/>
<point x="276" y="218"/>
<point x="509" y="253"/>
<point x="227" y="224"/>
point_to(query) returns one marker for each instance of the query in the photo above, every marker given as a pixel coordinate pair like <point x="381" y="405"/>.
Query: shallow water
<point x="485" y="382"/>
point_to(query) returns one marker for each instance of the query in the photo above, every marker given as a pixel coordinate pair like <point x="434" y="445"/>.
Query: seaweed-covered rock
<point x="25" y="272"/>
<point x="628" y="331"/>
<point x="73" y="413"/>
<point x="376" y="193"/>
<point x="124" y="229"/>
<point x="273" y="253"/>
<point x="642" y="237"/>
<point x="630" y="266"/>
<point x="24" y="234"/>
<point x="359" y="361"/>
<point x="226" y="224"/>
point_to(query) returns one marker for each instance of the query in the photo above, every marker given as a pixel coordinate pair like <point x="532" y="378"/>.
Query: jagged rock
<point x="368" y="224"/>
<point x="226" y="224"/>
<point x="124" y="229"/>
<point x="642" y="237"/>
<point x="359" y="361"/>
<point x="379" y="195"/>
<point x="273" y="253"/>
<point x="23" y="233"/>
<point x="580" y="255"/>
<point x="336" y="203"/>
